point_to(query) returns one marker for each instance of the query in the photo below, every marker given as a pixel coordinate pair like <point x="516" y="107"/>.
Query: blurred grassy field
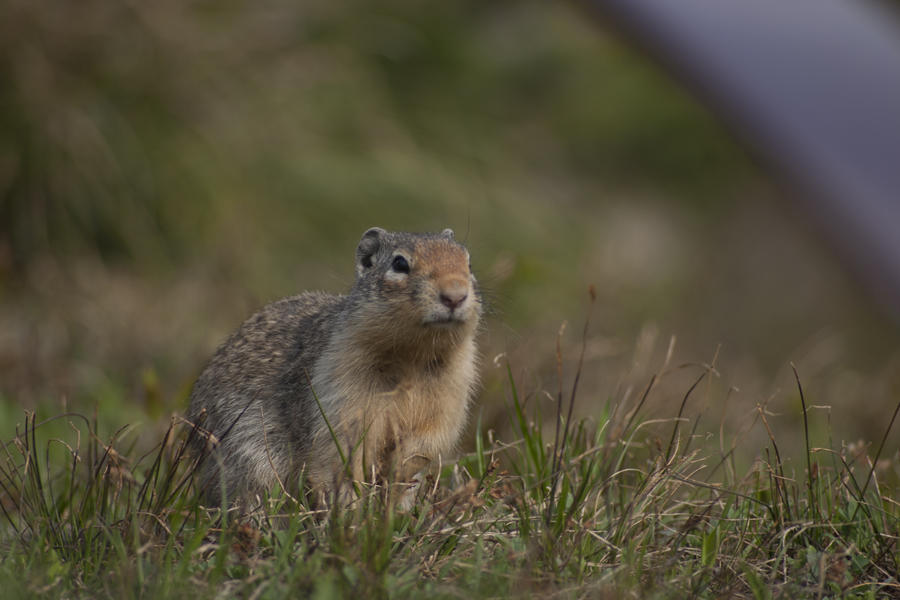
<point x="168" y="167"/>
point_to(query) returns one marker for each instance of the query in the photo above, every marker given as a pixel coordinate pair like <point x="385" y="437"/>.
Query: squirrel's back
<point x="392" y="366"/>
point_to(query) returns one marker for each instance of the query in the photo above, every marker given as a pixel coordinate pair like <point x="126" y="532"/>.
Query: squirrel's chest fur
<point x="393" y="410"/>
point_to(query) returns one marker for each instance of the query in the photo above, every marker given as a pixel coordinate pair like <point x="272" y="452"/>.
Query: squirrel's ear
<point x="368" y="246"/>
<point x="447" y="233"/>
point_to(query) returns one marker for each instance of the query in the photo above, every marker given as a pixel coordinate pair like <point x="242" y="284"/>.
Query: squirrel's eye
<point x="400" y="265"/>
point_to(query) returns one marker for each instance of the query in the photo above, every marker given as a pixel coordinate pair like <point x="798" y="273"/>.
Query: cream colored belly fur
<point x="388" y="431"/>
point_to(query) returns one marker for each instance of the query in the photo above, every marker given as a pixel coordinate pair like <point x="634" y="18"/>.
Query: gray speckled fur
<point x="255" y="397"/>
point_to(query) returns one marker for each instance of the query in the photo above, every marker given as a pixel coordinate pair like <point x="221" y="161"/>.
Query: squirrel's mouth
<point x="443" y="316"/>
<point x="451" y="320"/>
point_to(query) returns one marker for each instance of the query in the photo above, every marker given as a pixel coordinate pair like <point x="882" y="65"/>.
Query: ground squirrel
<point x="392" y="366"/>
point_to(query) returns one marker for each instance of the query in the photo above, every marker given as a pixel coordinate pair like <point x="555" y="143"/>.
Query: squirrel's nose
<point x="454" y="295"/>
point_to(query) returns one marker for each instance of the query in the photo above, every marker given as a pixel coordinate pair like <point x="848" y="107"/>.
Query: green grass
<point x="624" y="506"/>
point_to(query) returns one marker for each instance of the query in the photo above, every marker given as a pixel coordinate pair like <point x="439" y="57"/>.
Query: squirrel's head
<point x="419" y="278"/>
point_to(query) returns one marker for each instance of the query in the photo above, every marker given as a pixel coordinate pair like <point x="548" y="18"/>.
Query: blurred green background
<point x="167" y="167"/>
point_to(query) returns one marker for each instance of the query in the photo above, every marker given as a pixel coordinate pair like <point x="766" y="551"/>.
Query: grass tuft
<point x="600" y="508"/>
